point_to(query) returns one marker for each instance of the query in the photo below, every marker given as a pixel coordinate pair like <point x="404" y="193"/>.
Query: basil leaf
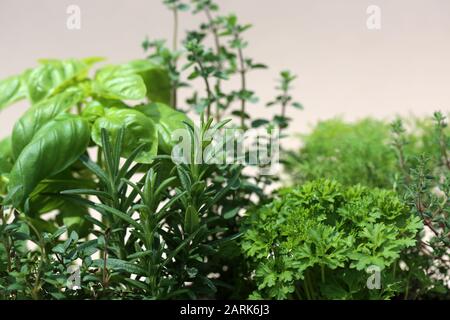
<point x="156" y="79"/>
<point x="38" y="115"/>
<point x="12" y="89"/>
<point x="42" y="199"/>
<point x="53" y="148"/>
<point x="5" y="155"/>
<point x="138" y="130"/>
<point x="92" y="111"/>
<point x="116" y="82"/>
<point x="166" y="120"/>
<point x="54" y="75"/>
<point x="6" y="162"/>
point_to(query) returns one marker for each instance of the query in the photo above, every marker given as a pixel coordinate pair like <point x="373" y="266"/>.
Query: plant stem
<point x="105" y="257"/>
<point x="174" y="48"/>
<point x="37" y="283"/>
<point x="215" y="34"/>
<point x="175" y="29"/>
<point x="283" y="107"/>
<point x="421" y="208"/>
<point x="401" y="159"/>
<point x="242" y="72"/>
<point x="311" y="291"/>
<point x="208" y="88"/>
<point x="283" y="110"/>
<point x="41" y="240"/>
<point x="305" y="287"/>
<point x="407" y="286"/>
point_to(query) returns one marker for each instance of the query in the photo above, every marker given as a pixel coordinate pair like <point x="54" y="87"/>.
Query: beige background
<point x="343" y="68"/>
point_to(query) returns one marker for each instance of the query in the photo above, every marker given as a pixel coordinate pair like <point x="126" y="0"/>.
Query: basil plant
<point x="69" y="106"/>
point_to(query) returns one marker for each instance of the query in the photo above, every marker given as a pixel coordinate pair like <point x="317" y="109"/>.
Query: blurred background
<point x="343" y="67"/>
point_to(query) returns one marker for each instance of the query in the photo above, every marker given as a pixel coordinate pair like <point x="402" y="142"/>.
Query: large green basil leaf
<point x="138" y="130"/>
<point x="38" y="115"/>
<point x="6" y="158"/>
<point x="116" y="82"/>
<point x="12" y="89"/>
<point x="6" y="162"/>
<point x="156" y="79"/>
<point x="167" y="120"/>
<point x="42" y="199"/>
<point x="56" y="146"/>
<point x="94" y="109"/>
<point x="54" y="75"/>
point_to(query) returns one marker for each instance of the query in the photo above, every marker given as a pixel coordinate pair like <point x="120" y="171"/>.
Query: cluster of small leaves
<point x="203" y="61"/>
<point x="223" y="61"/>
<point x="425" y="186"/>
<point x="318" y="240"/>
<point x="350" y="153"/>
<point x="176" y="5"/>
<point x="217" y="63"/>
<point x="283" y="100"/>
<point x="201" y="5"/>
<point x="53" y="271"/>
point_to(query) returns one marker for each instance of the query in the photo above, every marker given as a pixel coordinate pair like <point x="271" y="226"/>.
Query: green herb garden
<point x="93" y="205"/>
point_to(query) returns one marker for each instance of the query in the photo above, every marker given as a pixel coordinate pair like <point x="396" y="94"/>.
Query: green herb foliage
<point x="92" y="205"/>
<point x="425" y="172"/>
<point x="318" y="240"/>
<point x="350" y="153"/>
